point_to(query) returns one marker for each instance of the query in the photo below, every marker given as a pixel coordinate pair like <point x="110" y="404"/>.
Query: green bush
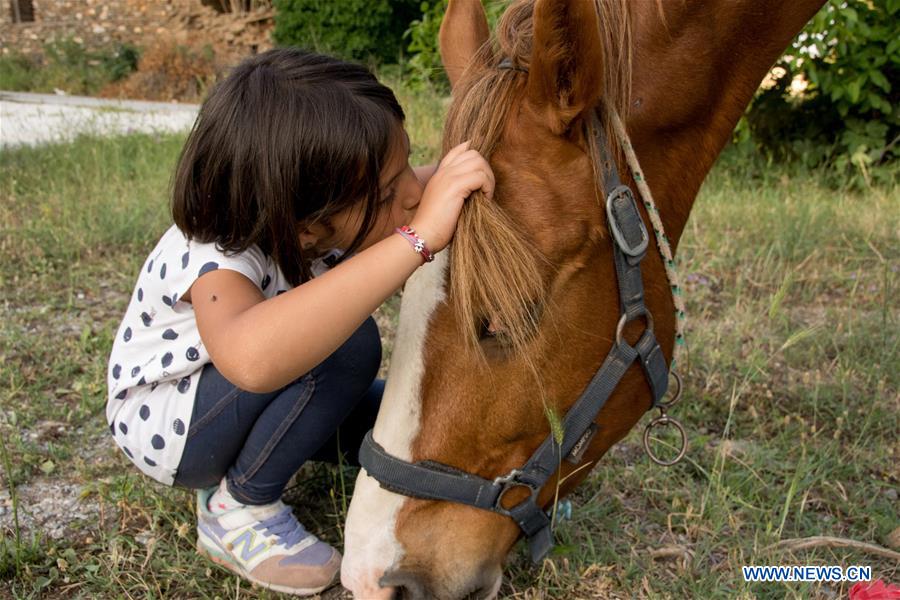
<point x="847" y="117"/>
<point x="424" y="66"/>
<point x="67" y="65"/>
<point x="369" y="30"/>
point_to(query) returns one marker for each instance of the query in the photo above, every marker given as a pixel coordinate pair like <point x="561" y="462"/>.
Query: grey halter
<point x="431" y="480"/>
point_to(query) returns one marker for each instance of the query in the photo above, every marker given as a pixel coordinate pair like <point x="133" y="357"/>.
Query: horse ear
<point x="566" y="74"/>
<point x="463" y="31"/>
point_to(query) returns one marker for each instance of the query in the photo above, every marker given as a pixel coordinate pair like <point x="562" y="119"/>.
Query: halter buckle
<point x="630" y="216"/>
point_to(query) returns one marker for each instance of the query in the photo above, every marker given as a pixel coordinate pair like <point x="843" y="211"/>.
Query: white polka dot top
<point x="157" y="354"/>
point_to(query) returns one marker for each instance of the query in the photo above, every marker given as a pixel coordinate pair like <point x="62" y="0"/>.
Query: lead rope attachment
<point x="665" y="250"/>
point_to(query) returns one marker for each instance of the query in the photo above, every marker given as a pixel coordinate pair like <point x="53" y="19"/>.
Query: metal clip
<point x="663" y="420"/>
<point x="624" y="320"/>
<point x="509" y="482"/>
<point x="508" y="478"/>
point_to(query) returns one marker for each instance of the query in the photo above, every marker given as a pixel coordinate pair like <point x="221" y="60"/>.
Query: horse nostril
<point x="407" y="586"/>
<point x="401" y="592"/>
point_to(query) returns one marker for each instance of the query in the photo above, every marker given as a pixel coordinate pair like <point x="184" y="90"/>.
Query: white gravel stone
<point x="31" y="119"/>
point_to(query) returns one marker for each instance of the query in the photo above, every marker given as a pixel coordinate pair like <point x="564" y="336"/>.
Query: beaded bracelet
<point x="417" y="242"/>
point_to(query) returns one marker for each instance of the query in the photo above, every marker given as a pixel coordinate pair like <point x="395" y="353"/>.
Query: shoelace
<point x="285" y="527"/>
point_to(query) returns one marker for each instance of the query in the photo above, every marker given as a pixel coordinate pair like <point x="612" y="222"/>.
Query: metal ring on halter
<point x="660" y="421"/>
<point x="676" y="395"/>
<point x="624" y="320"/>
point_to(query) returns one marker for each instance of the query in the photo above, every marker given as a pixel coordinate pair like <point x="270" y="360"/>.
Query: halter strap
<point x="436" y="481"/>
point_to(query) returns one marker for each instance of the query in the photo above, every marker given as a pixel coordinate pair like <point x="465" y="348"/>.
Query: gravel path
<point x="29" y="119"/>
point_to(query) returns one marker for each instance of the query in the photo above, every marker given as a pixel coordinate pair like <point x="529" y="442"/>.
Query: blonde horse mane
<point x="494" y="268"/>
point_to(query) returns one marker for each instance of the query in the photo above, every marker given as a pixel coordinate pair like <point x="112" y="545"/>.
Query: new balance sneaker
<point x="266" y="545"/>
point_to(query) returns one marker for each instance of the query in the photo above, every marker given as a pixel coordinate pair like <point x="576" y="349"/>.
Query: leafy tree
<point x="424" y="64"/>
<point x="351" y="29"/>
<point x="848" y="61"/>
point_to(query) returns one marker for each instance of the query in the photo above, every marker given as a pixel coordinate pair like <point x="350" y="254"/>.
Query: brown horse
<point x="516" y="318"/>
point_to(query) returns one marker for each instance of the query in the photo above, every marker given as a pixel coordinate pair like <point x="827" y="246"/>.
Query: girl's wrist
<point x="416" y="241"/>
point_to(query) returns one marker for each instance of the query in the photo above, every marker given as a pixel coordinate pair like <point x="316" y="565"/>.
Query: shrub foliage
<point x="67" y="66"/>
<point x="424" y="65"/>
<point x="352" y="29"/>
<point x="848" y="57"/>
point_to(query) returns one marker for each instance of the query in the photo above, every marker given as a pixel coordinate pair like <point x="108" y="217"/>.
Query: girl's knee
<point x="367" y="349"/>
<point x="355" y="363"/>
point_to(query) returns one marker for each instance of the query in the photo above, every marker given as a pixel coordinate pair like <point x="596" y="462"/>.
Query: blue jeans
<point x="258" y="441"/>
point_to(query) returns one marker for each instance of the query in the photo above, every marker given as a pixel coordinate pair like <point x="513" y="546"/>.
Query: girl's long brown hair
<point x="289" y="137"/>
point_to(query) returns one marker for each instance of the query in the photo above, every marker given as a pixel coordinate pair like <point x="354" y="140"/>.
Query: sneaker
<point x="266" y="545"/>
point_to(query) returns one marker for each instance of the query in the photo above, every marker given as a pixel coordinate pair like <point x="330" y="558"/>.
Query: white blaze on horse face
<point x="370" y="543"/>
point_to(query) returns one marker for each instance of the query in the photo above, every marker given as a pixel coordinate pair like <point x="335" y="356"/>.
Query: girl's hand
<point x="461" y="172"/>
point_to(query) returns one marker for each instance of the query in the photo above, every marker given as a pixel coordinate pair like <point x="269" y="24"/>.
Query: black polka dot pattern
<point x="164" y="351"/>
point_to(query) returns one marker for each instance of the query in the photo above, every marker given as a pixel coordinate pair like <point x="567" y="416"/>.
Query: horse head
<point x="500" y="335"/>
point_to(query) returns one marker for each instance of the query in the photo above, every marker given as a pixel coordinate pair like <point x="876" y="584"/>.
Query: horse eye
<point x="486" y="330"/>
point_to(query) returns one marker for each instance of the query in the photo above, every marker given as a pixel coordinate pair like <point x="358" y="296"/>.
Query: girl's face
<point x="400" y="193"/>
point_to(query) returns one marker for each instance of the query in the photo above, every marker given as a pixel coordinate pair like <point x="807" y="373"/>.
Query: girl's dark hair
<point x="288" y="136"/>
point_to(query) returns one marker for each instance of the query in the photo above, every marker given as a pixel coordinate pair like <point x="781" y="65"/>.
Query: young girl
<point x="248" y="340"/>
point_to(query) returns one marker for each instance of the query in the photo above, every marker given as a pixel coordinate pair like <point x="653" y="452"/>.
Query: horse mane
<point x="494" y="268"/>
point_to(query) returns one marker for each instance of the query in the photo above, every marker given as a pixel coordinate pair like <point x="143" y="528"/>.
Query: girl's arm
<point x="262" y="345"/>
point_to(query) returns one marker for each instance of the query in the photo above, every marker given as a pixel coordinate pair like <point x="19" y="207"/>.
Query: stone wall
<point x="100" y="23"/>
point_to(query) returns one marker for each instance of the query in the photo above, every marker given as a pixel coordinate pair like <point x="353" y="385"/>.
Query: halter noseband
<point x="431" y="480"/>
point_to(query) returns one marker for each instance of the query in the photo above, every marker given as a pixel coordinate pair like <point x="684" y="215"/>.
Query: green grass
<point x="68" y="66"/>
<point x="791" y="402"/>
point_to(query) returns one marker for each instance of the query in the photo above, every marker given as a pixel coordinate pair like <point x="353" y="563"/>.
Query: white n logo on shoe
<point x="247" y="540"/>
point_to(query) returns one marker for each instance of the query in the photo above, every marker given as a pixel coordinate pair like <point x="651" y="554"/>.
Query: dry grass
<point x="791" y="406"/>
